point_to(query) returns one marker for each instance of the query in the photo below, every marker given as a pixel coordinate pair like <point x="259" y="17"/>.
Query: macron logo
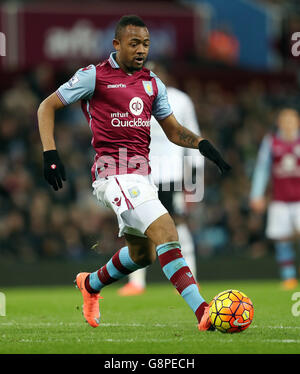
<point x="119" y="85"/>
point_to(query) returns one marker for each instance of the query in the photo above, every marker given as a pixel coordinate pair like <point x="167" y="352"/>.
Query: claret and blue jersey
<point x="118" y="108"/>
<point x="279" y="161"/>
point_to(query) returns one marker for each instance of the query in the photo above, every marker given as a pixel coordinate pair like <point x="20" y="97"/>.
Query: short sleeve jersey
<point x="118" y="108"/>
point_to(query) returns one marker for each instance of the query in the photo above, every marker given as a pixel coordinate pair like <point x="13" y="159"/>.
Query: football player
<point x="118" y="97"/>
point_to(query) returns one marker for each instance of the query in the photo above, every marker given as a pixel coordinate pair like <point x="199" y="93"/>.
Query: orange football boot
<point x="205" y="323"/>
<point x="131" y="289"/>
<point x="289" y="284"/>
<point x="91" y="311"/>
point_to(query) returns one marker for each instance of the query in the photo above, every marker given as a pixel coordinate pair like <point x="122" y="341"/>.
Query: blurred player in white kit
<point x="170" y="165"/>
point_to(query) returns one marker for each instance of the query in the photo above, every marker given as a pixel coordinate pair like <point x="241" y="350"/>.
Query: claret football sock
<point x="177" y="271"/>
<point x="117" y="267"/>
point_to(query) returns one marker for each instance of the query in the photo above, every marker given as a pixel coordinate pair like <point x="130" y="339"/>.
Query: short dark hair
<point x="128" y="20"/>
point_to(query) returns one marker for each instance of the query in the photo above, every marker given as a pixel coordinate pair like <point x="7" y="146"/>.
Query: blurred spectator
<point x="223" y="46"/>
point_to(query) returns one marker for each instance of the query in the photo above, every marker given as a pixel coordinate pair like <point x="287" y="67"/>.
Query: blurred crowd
<point x="236" y="122"/>
<point x="38" y="223"/>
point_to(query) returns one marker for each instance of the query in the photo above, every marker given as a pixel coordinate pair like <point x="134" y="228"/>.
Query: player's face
<point x="132" y="48"/>
<point x="288" y="123"/>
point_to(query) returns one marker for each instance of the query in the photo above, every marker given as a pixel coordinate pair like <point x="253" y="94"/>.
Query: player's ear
<point x="116" y="44"/>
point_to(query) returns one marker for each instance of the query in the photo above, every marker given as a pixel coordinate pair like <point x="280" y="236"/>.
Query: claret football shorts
<point x="283" y="220"/>
<point x="133" y="198"/>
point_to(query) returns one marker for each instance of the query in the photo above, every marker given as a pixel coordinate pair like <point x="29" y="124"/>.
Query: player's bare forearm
<point x="186" y="138"/>
<point x="54" y="170"/>
<point x="183" y="137"/>
<point x="46" y="126"/>
<point x="179" y="134"/>
<point x="46" y="115"/>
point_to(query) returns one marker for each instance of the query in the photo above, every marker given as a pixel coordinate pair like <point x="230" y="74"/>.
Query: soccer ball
<point x="231" y="311"/>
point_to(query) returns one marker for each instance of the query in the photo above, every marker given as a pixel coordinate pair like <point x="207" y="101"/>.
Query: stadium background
<point x="233" y="59"/>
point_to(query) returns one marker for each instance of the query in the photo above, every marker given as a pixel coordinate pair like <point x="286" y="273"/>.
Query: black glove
<point x="54" y="170"/>
<point x="208" y="150"/>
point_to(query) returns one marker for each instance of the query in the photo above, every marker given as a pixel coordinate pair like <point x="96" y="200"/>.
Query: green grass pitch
<point x="49" y="320"/>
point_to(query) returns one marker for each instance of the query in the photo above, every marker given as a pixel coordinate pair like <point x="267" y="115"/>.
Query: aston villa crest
<point x="148" y="87"/>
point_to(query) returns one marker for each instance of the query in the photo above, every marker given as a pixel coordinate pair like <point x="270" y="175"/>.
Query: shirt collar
<point x="112" y="60"/>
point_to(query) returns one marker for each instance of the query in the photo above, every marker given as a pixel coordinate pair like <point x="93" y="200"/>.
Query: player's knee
<point x="144" y="258"/>
<point x="149" y="258"/>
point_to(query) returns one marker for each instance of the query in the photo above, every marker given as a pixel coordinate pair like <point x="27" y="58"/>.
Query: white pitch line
<point x="23" y="325"/>
<point x="275" y="327"/>
<point x="282" y="340"/>
<point x="52" y="324"/>
<point x="109" y="340"/>
<point x="55" y="340"/>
